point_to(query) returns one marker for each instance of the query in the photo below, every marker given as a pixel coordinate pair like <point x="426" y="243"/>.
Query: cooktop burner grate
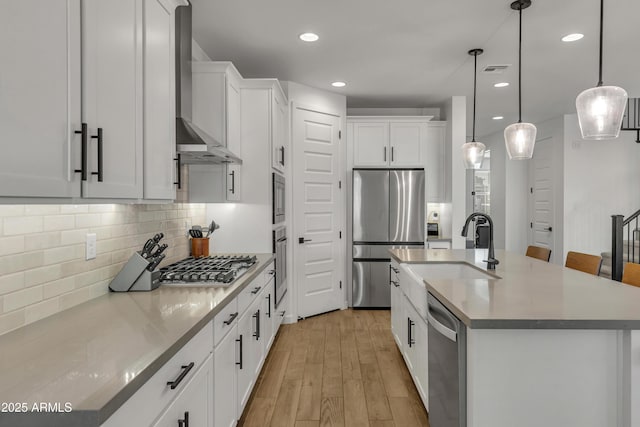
<point x="218" y="270"/>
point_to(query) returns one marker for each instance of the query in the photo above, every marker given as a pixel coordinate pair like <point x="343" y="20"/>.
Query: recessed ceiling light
<point x="501" y="84"/>
<point x="338" y="84"/>
<point x="572" y="37"/>
<point x="497" y="117"/>
<point x="309" y="37"/>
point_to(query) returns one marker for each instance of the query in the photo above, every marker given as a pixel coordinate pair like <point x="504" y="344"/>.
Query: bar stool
<point x="631" y="274"/>
<point x="540" y="253"/>
<point x="584" y="262"/>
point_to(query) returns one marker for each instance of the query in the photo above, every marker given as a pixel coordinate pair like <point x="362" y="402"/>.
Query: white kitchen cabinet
<point x="388" y="142"/>
<point x="279" y="134"/>
<point x="194" y="404"/>
<point x="437" y="170"/>
<point x="371" y="144"/>
<point x="112" y="88"/>
<point x="409" y="330"/>
<point x="217" y="109"/>
<point x="150" y="401"/>
<point x="159" y="102"/>
<point x="40" y="98"/>
<point x="91" y="90"/>
<point x="226" y="357"/>
<point x="397" y="307"/>
<point x="439" y="244"/>
<point x="251" y="353"/>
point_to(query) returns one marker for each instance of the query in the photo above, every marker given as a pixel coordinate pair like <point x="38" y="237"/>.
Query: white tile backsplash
<point x="42" y="265"/>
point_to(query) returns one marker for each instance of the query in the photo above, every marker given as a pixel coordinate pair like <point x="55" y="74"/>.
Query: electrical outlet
<point x="187" y="227"/>
<point x="91" y="246"/>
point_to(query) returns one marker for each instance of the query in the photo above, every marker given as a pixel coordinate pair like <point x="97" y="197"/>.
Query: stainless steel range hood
<point x="193" y="144"/>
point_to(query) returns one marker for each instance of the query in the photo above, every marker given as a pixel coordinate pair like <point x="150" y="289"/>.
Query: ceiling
<point x="413" y="53"/>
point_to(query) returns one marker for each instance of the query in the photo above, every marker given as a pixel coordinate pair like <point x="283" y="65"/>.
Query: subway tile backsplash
<point x="42" y="252"/>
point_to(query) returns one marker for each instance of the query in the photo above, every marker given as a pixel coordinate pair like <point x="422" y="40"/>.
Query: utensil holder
<point x="130" y="273"/>
<point x="199" y="247"/>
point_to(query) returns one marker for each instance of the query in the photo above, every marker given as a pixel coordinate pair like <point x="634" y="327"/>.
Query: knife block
<point x="134" y="276"/>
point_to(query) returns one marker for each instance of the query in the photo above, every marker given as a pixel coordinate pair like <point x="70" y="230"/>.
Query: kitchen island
<point x="545" y="345"/>
<point x="84" y="363"/>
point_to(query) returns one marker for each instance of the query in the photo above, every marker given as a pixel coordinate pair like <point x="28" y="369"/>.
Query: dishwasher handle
<point x="442" y="329"/>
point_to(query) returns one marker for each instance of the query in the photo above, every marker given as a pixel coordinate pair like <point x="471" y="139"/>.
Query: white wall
<point x="455" y="111"/>
<point x="600" y="179"/>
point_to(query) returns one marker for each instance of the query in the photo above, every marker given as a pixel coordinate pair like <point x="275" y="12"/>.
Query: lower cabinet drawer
<point x="154" y="396"/>
<point x="194" y="404"/>
<point x="248" y="294"/>
<point x="224" y="321"/>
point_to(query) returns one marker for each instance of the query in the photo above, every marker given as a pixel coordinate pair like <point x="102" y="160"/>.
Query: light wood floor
<point x="338" y="369"/>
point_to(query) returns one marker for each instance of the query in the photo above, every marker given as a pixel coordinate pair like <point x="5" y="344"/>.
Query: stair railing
<point x="619" y="228"/>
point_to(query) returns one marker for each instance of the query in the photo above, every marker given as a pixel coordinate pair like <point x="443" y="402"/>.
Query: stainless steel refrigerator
<point x="388" y="212"/>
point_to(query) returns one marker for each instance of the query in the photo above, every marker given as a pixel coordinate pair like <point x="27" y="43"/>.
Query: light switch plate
<point x="91" y="246"/>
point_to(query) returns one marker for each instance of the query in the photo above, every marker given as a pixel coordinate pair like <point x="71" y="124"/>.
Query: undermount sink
<point x="448" y="271"/>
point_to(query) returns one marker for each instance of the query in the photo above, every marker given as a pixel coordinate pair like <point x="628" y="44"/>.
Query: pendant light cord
<point x="475" y="79"/>
<point x="520" y="69"/>
<point x="601" y="31"/>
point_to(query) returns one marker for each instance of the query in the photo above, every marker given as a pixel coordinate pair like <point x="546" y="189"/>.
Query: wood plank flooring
<point x="338" y="369"/>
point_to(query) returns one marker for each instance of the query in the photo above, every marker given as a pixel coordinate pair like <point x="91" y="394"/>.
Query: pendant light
<point x="473" y="152"/>
<point x="520" y="138"/>
<point x="601" y="108"/>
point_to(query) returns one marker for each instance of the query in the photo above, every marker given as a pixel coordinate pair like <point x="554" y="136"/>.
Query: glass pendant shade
<point x="600" y="111"/>
<point x="473" y="154"/>
<point x="520" y="139"/>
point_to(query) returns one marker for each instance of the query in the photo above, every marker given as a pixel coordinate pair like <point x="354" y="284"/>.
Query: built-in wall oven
<point x="280" y="249"/>
<point x="278" y="198"/>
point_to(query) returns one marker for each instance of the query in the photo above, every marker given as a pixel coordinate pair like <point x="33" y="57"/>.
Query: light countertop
<point x="98" y="354"/>
<point x="528" y="293"/>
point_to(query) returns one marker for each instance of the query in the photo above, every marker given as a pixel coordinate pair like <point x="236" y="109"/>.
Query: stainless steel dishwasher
<point x="447" y="367"/>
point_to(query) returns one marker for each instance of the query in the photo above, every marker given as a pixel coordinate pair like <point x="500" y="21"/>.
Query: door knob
<point x="549" y="229"/>
<point x="302" y="240"/>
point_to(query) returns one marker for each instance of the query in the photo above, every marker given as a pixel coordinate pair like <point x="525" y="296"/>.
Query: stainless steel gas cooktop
<point x="221" y="270"/>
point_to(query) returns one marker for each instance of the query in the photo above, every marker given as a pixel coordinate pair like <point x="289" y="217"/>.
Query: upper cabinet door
<point x="112" y="64"/>
<point x="408" y="144"/>
<point x="371" y="144"/>
<point x="437" y="170"/>
<point x="279" y="131"/>
<point x="159" y="103"/>
<point x="40" y="98"/>
<point x="234" y="113"/>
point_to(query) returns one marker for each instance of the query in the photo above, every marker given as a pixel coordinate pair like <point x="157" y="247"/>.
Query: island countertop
<point x="98" y="354"/>
<point x="527" y="293"/>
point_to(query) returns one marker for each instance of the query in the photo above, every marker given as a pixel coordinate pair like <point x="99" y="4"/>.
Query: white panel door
<point x="407" y="142"/>
<point x="112" y="96"/>
<point x="371" y="144"/>
<point x="318" y="212"/>
<point x="541" y="193"/>
<point x="40" y="98"/>
<point x="159" y="103"/>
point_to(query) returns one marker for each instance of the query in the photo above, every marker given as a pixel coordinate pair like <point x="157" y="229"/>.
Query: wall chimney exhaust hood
<point x="193" y="144"/>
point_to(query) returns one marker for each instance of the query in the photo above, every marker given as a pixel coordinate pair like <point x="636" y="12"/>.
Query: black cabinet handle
<point x="256" y="290"/>
<point x="395" y="270"/>
<point x="239" y="340"/>
<point x="256" y="316"/>
<point x="392" y="153"/>
<point x="302" y="240"/>
<point x="394" y="283"/>
<point x="385" y="154"/>
<point x="233" y="182"/>
<point x="178" y="166"/>
<point x="83" y="152"/>
<point x="184" y="422"/>
<point x="185" y="371"/>
<point x="269" y="303"/>
<point x="231" y="318"/>
<point x="282" y="313"/>
<point x="100" y="156"/>
<point x="282" y="156"/>
<point x="410" y="339"/>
